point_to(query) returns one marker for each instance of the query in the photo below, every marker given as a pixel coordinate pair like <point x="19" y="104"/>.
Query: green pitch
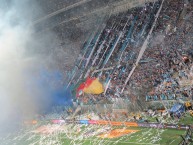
<point x="87" y="136"/>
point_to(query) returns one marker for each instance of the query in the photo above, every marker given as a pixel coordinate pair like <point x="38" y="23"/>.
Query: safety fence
<point x="129" y="124"/>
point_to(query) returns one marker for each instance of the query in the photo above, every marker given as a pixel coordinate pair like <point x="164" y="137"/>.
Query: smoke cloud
<point x="30" y="78"/>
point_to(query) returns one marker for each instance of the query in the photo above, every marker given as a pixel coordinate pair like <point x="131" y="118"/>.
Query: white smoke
<point x="18" y="63"/>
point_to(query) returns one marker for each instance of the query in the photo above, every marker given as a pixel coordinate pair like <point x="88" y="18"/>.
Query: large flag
<point x="90" y="86"/>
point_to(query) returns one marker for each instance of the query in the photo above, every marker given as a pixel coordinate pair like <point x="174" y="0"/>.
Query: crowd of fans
<point x="172" y="70"/>
<point x="165" y="65"/>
